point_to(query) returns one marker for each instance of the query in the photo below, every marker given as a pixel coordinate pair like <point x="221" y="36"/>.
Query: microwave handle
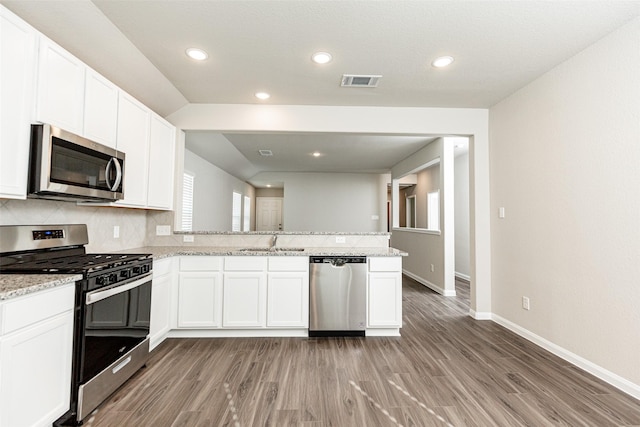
<point x="116" y="183"/>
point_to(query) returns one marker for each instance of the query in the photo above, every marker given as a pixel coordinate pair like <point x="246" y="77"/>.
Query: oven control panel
<point x="122" y="274"/>
<point x="47" y="234"/>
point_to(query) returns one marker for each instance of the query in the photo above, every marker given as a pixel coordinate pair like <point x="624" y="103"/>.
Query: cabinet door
<point x="385" y="300"/>
<point x="245" y="299"/>
<point x="100" y="109"/>
<point x="17" y="79"/>
<point x="35" y="372"/>
<point x="161" y="163"/>
<point x="200" y="300"/>
<point x="133" y="140"/>
<point x="160" y="308"/>
<point x="288" y="300"/>
<point x="60" y="88"/>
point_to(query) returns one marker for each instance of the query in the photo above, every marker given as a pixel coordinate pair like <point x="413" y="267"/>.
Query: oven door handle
<point x="99" y="295"/>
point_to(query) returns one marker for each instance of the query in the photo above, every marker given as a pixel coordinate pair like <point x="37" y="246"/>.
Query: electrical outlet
<point x="525" y="303"/>
<point x="341" y="239"/>
<point x="187" y="239"/>
<point x="433" y="268"/>
<point x="116" y="231"/>
<point x="501" y="213"/>
<point x="163" y="230"/>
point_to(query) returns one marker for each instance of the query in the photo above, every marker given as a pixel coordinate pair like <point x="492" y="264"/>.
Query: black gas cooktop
<point x="70" y="264"/>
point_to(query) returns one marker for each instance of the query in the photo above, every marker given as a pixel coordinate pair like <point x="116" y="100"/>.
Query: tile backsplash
<point x="100" y="221"/>
<point x="137" y="228"/>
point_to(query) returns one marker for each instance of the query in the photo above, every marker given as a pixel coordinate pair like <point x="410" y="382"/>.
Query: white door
<point x="268" y="213"/>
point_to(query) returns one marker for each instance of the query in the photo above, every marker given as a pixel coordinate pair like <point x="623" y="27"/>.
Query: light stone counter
<point x="15" y="285"/>
<point x="160" y="252"/>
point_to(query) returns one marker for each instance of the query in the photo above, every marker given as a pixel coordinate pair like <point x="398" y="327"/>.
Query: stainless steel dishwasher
<point x="337" y="296"/>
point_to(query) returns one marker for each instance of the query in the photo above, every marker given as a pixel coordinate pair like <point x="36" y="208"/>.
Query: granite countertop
<point x="160" y="252"/>
<point x="15" y="285"/>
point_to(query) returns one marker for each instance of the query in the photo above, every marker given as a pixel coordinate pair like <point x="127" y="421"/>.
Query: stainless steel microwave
<point x="65" y="166"/>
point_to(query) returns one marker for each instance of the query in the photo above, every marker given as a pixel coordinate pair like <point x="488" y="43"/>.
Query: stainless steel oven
<point x="65" y="166"/>
<point x="112" y="306"/>
<point x="113" y="340"/>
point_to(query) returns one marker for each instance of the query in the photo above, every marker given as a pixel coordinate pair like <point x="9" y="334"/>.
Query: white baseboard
<point x="607" y="376"/>
<point x="480" y="315"/>
<point x="428" y="284"/>
<point x="463" y="276"/>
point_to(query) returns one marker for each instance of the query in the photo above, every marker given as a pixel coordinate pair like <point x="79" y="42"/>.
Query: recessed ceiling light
<point x="442" y="61"/>
<point x="316" y="154"/>
<point x="268" y="185"/>
<point x="197" y="54"/>
<point x="321" y="57"/>
<point x="262" y="95"/>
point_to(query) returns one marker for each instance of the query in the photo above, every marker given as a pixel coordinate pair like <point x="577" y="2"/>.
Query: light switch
<point x="116" y="231"/>
<point x="187" y="238"/>
<point x="341" y="239"/>
<point x="501" y="212"/>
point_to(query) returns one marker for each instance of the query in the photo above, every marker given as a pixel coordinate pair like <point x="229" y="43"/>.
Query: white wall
<point x="431" y="254"/>
<point x="382" y="120"/>
<point x="461" y="212"/>
<point x="331" y="201"/>
<point x="565" y="164"/>
<point x="213" y="194"/>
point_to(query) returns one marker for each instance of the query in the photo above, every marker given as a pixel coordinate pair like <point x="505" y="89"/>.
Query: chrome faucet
<point x="274" y="239"/>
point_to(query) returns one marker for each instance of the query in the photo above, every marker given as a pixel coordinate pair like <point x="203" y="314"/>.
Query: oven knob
<point x="100" y="280"/>
<point x="113" y="277"/>
<point x="136" y="270"/>
<point x="125" y="274"/>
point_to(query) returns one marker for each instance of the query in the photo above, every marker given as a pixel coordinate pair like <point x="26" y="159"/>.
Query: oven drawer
<point x="95" y="391"/>
<point x="32" y="308"/>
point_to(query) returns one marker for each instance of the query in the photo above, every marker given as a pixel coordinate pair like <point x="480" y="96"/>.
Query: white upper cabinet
<point x="42" y="82"/>
<point x="18" y="52"/>
<point x="61" y="88"/>
<point x="161" y="163"/>
<point x="100" y="109"/>
<point x="133" y="140"/>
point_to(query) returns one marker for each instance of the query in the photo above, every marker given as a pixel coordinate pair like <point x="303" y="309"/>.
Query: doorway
<point x="269" y="213"/>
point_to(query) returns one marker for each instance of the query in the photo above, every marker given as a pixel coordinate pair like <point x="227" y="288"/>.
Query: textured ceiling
<point x="498" y="46"/>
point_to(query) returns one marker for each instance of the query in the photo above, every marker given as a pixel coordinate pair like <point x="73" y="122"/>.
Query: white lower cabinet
<point x="36" y="343"/>
<point x="384" y="305"/>
<point x="270" y="293"/>
<point x="288" y="292"/>
<point x="200" y="300"/>
<point x="200" y="292"/>
<point x="163" y="274"/>
<point x="245" y="296"/>
<point x="245" y="292"/>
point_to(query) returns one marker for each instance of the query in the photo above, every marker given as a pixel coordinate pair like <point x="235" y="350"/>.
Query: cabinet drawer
<point x="200" y="263"/>
<point x="385" y="264"/>
<point x="162" y="267"/>
<point x="245" y="263"/>
<point x="288" y="263"/>
<point x="29" y="309"/>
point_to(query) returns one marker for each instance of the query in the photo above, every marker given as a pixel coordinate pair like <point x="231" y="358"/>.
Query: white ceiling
<point x="498" y="46"/>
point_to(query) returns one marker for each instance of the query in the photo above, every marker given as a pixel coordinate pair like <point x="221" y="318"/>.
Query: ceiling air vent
<point x="352" y="80"/>
<point x="265" y="153"/>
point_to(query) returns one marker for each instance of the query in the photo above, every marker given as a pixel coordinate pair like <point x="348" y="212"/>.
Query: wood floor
<point x="446" y="370"/>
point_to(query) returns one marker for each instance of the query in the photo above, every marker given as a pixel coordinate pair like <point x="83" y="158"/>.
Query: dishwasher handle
<point x="338" y="261"/>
